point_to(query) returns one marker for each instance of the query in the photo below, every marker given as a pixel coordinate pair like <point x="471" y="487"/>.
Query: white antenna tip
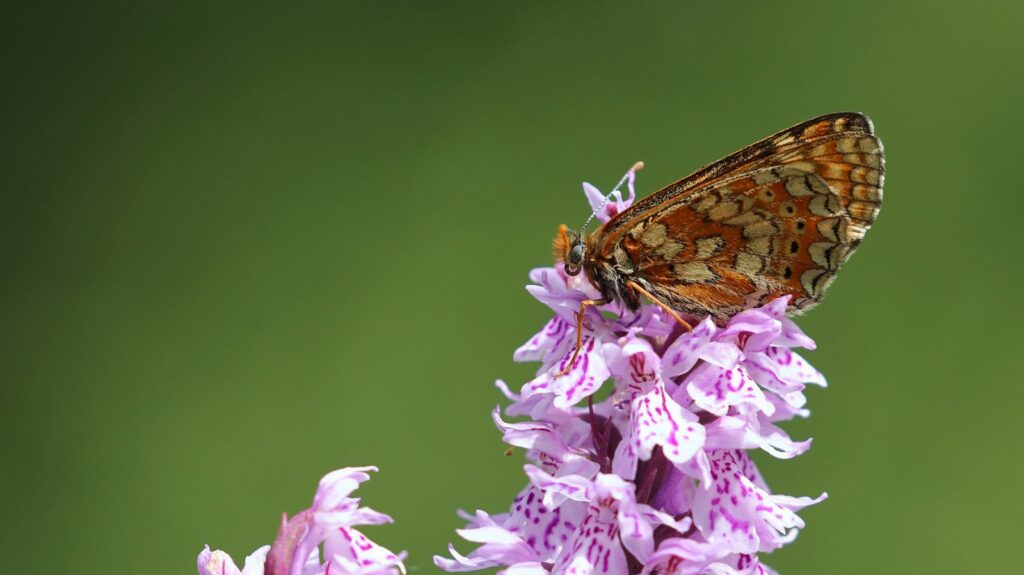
<point x="637" y="167"/>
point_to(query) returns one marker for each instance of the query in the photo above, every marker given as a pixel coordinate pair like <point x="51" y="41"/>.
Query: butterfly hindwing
<point x="779" y="217"/>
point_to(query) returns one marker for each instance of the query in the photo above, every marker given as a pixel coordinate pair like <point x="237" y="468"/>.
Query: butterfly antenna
<point x="636" y="168"/>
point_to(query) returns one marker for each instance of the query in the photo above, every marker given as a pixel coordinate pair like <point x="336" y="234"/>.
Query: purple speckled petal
<point x="535" y="406"/>
<point x="715" y="389"/>
<point x="679" y="556"/>
<point x="684" y="353"/>
<point x="637" y="524"/>
<point x="594" y="548"/>
<point x="532" y="435"/>
<point x="545" y="529"/>
<point x="759" y="329"/>
<point x="752" y="431"/>
<point x="776" y="308"/>
<point x="722" y="514"/>
<point x="657" y="420"/>
<point x="586" y="375"/>
<point x="536" y="275"/>
<point x="633" y="363"/>
<point x="793" y="336"/>
<point x="565" y="307"/>
<point x="558" y="489"/>
<point x="636" y="530"/>
<point x="725" y="355"/>
<point x="552" y="337"/>
<point x="560" y="292"/>
<point x="740" y="514"/>
<point x="787" y="368"/>
<point x="500" y="545"/>
<point x="530" y="524"/>
<point x="784" y="411"/>
<point x="350" y="552"/>
<point x="764" y="372"/>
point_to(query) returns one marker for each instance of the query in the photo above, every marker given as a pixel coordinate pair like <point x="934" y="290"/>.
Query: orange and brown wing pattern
<point x="777" y="218"/>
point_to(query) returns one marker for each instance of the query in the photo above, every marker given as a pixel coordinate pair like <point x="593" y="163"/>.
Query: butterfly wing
<point x="778" y="217"/>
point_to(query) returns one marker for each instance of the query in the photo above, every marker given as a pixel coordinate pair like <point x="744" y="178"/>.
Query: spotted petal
<point x="739" y="513"/>
<point x="583" y="378"/>
<point x="657" y="420"/>
<point x="594" y="549"/>
<point x="715" y="389"/>
<point x="349" y="551"/>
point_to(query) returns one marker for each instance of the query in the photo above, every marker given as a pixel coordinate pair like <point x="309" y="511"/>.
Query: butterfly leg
<point x="635" y="286"/>
<point x="579" y="332"/>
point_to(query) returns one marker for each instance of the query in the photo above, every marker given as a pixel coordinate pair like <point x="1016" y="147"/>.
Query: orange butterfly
<point x="776" y="218"/>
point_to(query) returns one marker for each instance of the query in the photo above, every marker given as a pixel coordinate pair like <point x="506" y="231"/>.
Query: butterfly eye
<point x="574" y="259"/>
<point x="576" y="255"/>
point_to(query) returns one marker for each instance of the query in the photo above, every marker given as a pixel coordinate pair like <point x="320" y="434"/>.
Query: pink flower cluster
<point x="330" y="521"/>
<point x="655" y="477"/>
<point x="650" y="477"/>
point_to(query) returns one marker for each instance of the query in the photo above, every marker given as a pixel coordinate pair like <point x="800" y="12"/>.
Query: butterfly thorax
<point x="607" y="272"/>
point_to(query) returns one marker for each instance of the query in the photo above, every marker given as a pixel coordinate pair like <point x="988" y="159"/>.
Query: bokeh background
<point x="246" y="244"/>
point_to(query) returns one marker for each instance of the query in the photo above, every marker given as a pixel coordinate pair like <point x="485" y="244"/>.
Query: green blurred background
<point x="244" y="245"/>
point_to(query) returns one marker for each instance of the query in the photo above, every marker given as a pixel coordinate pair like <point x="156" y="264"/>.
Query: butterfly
<point x="777" y="218"/>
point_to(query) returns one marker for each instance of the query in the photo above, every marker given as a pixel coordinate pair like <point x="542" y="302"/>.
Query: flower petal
<point x="584" y="377"/>
<point x="544" y="529"/>
<point x="353" y="553"/>
<point x="594" y="549"/>
<point x="553" y="336"/>
<point x="657" y="420"/>
<point x="738" y="513"/>
<point x="685" y="351"/>
<point x="537" y="435"/>
<point x="784" y="372"/>
<point x="558" y="489"/>
<point x="715" y="389"/>
<point x="335" y="488"/>
<point x="217" y="562"/>
<point x="750" y="431"/>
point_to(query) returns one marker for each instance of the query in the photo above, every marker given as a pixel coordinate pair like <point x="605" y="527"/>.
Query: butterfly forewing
<point x="778" y="217"/>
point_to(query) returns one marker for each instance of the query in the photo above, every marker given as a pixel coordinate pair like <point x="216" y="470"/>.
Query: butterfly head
<point x="570" y="250"/>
